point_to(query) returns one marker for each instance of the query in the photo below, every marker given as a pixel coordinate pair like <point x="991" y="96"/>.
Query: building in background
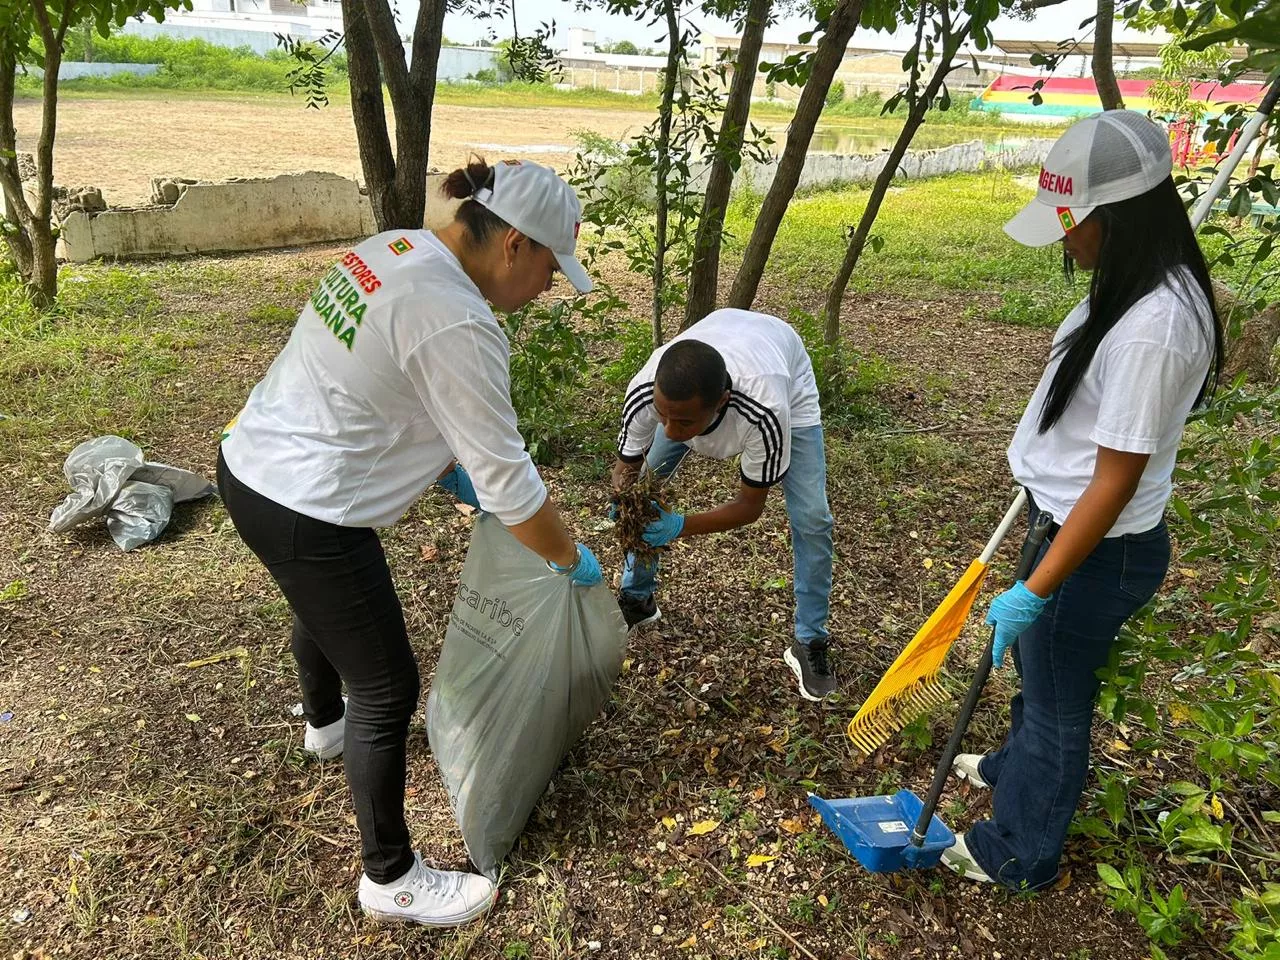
<point x="864" y="68"/>
<point x="245" y="23"/>
<point x="582" y="67"/>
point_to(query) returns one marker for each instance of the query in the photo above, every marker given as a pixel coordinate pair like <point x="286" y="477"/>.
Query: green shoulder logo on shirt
<point x="400" y="246"/>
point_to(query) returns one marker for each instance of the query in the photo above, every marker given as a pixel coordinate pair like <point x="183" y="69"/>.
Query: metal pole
<point x="1250" y="130"/>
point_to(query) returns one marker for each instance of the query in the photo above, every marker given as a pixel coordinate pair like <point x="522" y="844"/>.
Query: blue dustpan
<point x="877" y="830"/>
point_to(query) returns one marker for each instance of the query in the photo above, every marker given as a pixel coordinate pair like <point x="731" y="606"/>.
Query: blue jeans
<point x="805" y="487"/>
<point x="1039" y="773"/>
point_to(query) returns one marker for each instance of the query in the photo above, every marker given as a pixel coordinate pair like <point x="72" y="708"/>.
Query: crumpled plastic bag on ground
<point x="528" y="662"/>
<point x="139" y="514"/>
<point x="109" y="475"/>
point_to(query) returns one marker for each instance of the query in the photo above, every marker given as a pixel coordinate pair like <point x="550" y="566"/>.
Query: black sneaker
<point x="813" y="672"/>
<point x="638" y="611"/>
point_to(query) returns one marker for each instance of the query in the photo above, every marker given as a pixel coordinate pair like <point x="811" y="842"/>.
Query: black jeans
<point x="347" y="628"/>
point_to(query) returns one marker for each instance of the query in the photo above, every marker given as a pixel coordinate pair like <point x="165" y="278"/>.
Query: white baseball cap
<point x="1104" y="158"/>
<point x="535" y="201"/>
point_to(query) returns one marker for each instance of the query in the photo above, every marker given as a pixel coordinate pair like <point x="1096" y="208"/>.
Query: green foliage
<point x="618" y="184"/>
<point x="22" y="34"/>
<point x="193" y="65"/>
<point x="1164" y="918"/>
<point x="846" y="381"/>
<point x="963" y="257"/>
<point x="871" y="103"/>
<point x="549" y="356"/>
<point x="637" y="344"/>
<point x="835" y="93"/>
<point x="1223" y="701"/>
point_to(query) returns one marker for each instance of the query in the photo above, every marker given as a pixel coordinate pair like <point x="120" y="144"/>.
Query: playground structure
<point x="1015" y="98"/>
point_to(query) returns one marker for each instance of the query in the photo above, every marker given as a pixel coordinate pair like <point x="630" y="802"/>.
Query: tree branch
<point x="704" y="275"/>
<point x="49" y="113"/>
<point x="826" y="60"/>
<point x="1104" y="71"/>
<point x="67" y="14"/>
<point x="369" y="113"/>
<point x="428" y="29"/>
<point x="663" y="167"/>
<point x="915" y="119"/>
<point x="382" y="25"/>
<point x="42" y="18"/>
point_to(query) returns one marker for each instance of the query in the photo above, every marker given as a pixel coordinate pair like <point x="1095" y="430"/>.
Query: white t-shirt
<point x="1135" y="397"/>
<point x="771" y="390"/>
<point x="395" y="367"/>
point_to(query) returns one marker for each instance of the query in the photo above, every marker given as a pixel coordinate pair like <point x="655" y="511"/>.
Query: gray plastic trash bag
<point x="96" y="470"/>
<point x="528" y="662"/>
<point x="108" y="475"/>
<point x="139" y="514"/>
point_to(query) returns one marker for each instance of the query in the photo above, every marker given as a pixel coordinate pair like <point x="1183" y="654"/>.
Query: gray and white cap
<point x="534" y="200"/>
<point x="1104" y="158"/>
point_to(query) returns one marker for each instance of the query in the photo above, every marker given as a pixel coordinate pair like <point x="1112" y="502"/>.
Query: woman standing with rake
<point x="1096" y="450"/>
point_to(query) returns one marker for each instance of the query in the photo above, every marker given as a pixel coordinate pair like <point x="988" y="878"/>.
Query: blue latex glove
<point x="458" y="482"/>
<point x="666" y="528"/>
<point x="1011" y="613"/>
<point x="585" y="571"/>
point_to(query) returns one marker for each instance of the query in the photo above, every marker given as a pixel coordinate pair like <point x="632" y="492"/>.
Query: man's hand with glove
<point x="660" y="532"/>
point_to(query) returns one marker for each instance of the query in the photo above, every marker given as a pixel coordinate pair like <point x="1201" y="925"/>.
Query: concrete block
<point x="236" y="215"/>
<point x="221" y="217"/>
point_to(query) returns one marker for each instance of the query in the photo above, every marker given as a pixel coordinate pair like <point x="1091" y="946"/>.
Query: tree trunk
<point x="705" y="276"/>
<point x="1252" y="352"/>
<point x="369" y="113"/>
<point x="1104" y="72"/>
<point x="412" y="93"/>
<point x="664" y="164"/>
<point x="915" y="119"/>
<point x="15" y="204"/>
<point x="43" y="280"/>
<point x="826" y="60"/>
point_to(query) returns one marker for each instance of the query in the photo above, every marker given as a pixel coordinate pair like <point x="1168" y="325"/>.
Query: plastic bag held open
<point x="528" y="662"/>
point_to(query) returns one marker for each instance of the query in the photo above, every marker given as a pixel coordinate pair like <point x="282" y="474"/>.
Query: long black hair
<point x="1147" y="242"/>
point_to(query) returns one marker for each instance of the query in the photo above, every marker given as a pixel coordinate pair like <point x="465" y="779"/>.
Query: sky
<point x="1054" y="23"/>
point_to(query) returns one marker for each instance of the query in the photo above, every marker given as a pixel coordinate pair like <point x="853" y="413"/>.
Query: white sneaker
<point x="325" y="743"/>
<point x="960" y="860"/>
<point x="965" y="767"/>
<point x="434" y="898"/>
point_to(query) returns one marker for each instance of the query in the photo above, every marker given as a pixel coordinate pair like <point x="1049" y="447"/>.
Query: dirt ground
<point x="118" y="145"/>
<point x="154" y="800"/>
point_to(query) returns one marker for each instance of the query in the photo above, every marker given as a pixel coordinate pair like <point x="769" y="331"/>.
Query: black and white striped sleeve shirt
<point x="755" y="425"/>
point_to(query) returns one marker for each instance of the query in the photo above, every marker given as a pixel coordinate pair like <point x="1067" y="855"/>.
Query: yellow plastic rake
<point x="912" y="686"/>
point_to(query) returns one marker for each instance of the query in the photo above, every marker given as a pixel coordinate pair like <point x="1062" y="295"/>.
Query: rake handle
<point x="1026" y="561"/>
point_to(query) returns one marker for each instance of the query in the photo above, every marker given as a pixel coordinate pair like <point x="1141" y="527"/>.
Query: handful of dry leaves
<point x="636" y="511"/>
